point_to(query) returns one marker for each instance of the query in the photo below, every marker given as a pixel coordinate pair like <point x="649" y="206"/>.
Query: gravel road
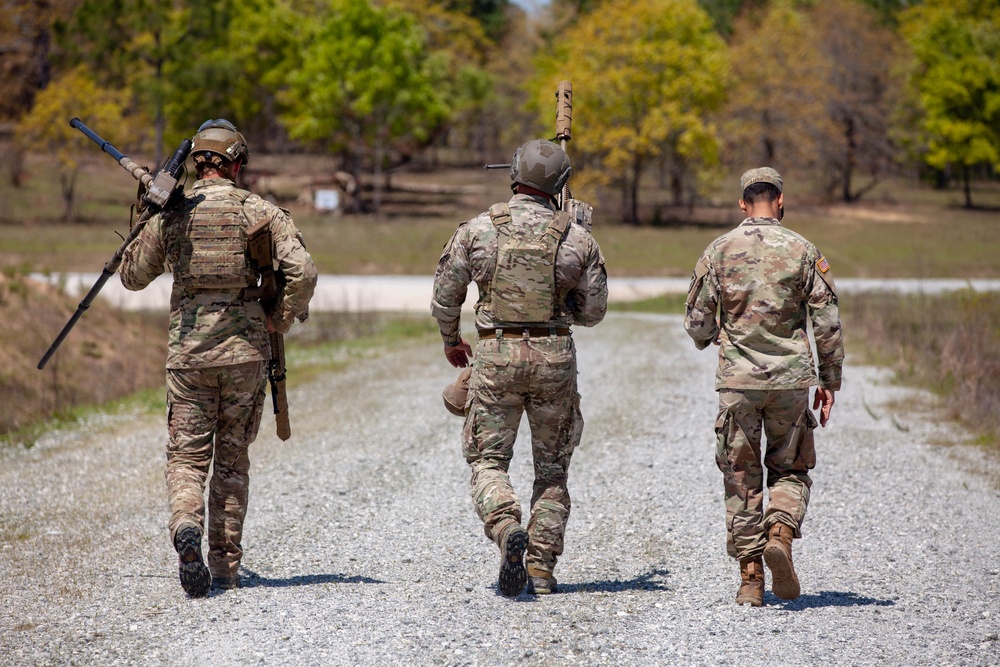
<point x="362" y="546"/>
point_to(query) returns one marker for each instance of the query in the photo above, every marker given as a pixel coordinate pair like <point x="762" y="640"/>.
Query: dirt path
<point x="362" y="547"/>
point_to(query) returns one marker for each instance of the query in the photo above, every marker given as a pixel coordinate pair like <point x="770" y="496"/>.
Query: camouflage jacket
<point x="471" y="255"/>
<point x="215" y="327"/>
<point x="759" y="283"/>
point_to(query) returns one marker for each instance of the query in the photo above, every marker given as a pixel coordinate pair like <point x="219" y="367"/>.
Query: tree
<point x="46" y="127"/>
<point x="454" y="34"/>
<point x="366" y="82"/>
<point x="776" y="114"/>
<point x="239" y="56"/>
<point x="650" y="71"/>
<point x="26" y="55"/>
<point x="140" y="45"/>
<point x="955" y="83"/>
<point x="860" y="55"/>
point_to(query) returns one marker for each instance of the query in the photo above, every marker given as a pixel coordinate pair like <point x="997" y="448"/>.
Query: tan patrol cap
<point x="760" y="175"/>
<point x="455" y="394"/>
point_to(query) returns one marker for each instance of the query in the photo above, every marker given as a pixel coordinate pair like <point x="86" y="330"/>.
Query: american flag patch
<point x="823" y="265"/>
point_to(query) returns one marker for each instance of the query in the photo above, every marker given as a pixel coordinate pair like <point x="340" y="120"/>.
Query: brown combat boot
<point x="752" y="582"/>
<point x="778" y="556"/>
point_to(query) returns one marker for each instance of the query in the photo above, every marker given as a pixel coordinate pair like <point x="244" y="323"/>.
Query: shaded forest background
<point x="679" y="93"/>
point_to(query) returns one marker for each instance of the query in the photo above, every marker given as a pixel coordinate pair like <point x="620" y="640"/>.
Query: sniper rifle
<point x="579" y="211"/>
<point x="158" y="190"/>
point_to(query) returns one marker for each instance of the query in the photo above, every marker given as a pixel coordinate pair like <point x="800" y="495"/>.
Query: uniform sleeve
<point x="702" y="307"/>
<point x="451" y="284"/>
<point x="297" y="266"/>
<point x="827" y="332"/>
<point x="144" y="258"/>
<point x="590" y="296"/>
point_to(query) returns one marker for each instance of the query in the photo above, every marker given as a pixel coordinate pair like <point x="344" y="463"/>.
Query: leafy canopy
<point x="956" y="45"/>
<point x="366" y="74"/>
<point x="646" y="74"/>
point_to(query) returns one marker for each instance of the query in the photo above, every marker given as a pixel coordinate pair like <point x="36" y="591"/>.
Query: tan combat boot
<point x="778" y="556"/>
<point x="751" y="590"/>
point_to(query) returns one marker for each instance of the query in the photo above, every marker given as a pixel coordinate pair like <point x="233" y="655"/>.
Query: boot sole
<point x="513" y="575"/>
<point x="195" y="578"/>
<point x="784" y="582"/>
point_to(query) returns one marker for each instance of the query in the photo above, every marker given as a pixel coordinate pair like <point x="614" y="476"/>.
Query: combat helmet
<point x="220" y="137"/>
<point x="456" y="394"/>
<point x="541" y="164"/>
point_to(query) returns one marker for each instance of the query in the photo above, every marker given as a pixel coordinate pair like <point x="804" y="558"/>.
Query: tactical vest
<point x="215" y="255"/>
<point x="524" y="283"/>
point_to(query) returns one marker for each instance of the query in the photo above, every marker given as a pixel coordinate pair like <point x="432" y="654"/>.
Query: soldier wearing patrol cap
<point x="538" y="273"/>
<point x="752" y="292"/>
<point x="218" y="346"/>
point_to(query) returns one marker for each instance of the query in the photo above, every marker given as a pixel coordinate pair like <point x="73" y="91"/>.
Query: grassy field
<point x="903" y="231"/>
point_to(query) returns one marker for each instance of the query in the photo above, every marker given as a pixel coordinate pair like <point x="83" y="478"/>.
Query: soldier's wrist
<point x="453" y="343"/>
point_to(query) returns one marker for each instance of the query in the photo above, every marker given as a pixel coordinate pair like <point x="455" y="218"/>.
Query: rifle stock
<point x="159" y="189"/>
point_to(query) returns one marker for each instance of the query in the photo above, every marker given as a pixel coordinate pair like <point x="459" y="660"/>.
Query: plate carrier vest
<point x="524" y="283"/>
<point x="216" y="256"/>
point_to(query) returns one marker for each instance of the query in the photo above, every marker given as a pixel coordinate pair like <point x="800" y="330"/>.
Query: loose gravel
<point x="362" y="546"/>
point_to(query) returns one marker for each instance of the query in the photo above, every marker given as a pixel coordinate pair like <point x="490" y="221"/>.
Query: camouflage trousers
<point x="213" y="415"/>
<point x="787" y="423"/>
<point x="510" y="377"/>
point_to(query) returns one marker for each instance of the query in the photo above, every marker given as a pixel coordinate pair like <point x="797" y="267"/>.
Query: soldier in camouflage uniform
<point x="753" y="290"/>
<point x="218" y="346"/>
<point x="538" y="273"/>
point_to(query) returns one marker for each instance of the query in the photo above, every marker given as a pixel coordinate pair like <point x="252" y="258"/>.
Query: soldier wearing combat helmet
<point x="752" y="292"/>
<point x="538" y="274"/>
<point x="218" y="346"/>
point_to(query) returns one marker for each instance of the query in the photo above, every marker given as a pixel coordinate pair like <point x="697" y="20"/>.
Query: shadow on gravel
<point x="829" y="599"/>
<point x="252" y="580"/>
<point x="650" y="581"/>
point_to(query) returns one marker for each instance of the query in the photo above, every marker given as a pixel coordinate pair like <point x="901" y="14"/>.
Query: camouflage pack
<point x="524" y="284"/>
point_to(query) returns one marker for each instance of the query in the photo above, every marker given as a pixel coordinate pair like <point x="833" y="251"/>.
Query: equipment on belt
<point x="456" y="394"/>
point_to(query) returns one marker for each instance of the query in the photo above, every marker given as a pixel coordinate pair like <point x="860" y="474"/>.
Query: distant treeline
<point x="843" y="93"/>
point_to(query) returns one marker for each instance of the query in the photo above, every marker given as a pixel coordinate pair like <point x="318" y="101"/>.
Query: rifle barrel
<point x="141" y="174"/>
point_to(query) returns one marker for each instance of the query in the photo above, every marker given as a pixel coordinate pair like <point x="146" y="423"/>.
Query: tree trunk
<point x="850" y="160"/>
<point x="67" y="181"/>
<point x="967" y="177"/>
<point x="377" y="173"/>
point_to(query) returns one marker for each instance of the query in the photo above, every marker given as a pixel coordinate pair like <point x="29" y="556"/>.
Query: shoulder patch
<point x="822" y="264"/>
<point x="500" y="213"/>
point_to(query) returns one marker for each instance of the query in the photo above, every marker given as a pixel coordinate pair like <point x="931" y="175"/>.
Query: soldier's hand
<point x="276" y="326"/>
<point x="823" y="400"/>
<point x="458" y="355"/>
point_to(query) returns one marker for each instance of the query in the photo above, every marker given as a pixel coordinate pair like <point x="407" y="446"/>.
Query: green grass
<point x="900" y="231"/>
<point x="668" y="303"/>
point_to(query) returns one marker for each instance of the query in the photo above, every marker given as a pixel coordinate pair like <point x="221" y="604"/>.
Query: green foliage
<point x="366" y="81"/>
<point x="955" y="79"/>
<point x="646" y="75"/>
<point x="242" y="50"/>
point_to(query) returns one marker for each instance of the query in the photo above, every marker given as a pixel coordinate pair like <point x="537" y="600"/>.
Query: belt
<point x="524" y="332"/>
